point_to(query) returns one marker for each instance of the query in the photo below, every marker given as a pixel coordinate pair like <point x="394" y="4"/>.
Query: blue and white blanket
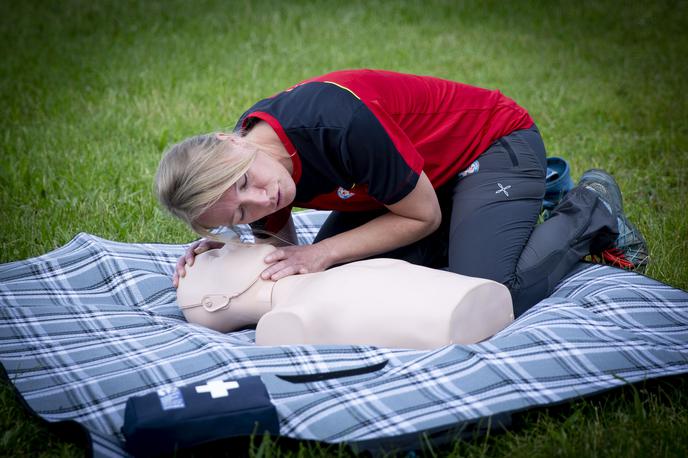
<point x="87" y="326"/>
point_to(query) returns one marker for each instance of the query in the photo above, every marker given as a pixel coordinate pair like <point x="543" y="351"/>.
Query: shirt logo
<point x="473" y="168"/>
<point x="344" y="193"/>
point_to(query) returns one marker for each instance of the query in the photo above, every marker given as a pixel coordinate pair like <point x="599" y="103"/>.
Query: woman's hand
<point x="188" y="257"/>
<point x="292" y="260"/>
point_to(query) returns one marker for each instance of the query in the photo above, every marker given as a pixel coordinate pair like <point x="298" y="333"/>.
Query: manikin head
<point x="223" y="290"/>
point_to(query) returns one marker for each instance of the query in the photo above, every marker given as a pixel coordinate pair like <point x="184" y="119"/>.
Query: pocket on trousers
<point x="510" y="151"/>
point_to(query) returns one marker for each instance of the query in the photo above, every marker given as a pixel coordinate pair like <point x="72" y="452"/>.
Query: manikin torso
<point x="381" y="302"/>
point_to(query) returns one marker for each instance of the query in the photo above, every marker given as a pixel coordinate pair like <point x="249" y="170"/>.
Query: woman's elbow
<point x="437" y="221"/>
<point x="434" y="220"/>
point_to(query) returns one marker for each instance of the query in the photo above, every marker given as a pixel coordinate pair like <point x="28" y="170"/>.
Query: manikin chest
<point x="384" y="302"/>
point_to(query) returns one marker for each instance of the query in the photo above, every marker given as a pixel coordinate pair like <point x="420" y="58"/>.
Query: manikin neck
<point x="255" y="301"/>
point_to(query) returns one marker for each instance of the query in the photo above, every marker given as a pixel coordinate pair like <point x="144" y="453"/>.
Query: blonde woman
<point x="427" y="170"/>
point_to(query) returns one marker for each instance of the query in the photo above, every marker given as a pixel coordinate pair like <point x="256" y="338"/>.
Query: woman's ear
<point x="233" y="138"/>
<point x="223" y="136"/>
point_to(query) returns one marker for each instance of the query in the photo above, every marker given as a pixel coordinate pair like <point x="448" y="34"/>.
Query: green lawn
<point x="92" y="92"/>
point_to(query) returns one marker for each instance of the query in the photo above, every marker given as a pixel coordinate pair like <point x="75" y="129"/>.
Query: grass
<point x="92" y="92"/>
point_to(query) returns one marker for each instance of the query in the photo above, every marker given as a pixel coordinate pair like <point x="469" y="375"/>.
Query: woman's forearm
<point x="380" y="235"/>
<point x="409" y="220"/>
<point x="412" y="218"/>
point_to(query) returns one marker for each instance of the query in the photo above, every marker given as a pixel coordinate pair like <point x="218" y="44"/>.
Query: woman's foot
<point x="629" y="250"/>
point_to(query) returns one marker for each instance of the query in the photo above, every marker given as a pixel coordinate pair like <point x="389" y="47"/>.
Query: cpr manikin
<point x="381" y="302"/>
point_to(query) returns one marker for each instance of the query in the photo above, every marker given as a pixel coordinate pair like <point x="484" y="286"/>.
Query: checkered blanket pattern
<point x="86" y="326"/>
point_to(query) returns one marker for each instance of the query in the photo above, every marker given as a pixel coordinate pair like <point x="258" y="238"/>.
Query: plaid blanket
<point x="87" y="326"/>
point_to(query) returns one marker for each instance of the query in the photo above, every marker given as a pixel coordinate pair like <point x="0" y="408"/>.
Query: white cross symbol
<point x="217" y="388"/>
<point x="502" y="189"/>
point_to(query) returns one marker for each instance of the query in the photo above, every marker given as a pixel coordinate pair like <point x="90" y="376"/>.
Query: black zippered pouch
<point x="174" y="418"/>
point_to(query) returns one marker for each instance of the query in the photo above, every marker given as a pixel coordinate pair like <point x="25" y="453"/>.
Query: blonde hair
<point x="194" y="173"/>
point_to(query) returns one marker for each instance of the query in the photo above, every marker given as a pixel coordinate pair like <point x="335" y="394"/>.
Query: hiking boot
<point x="629" y="250"/>
<point x="605" y="186"/>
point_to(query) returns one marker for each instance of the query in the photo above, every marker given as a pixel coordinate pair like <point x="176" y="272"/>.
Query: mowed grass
<point x="92" y="92"/>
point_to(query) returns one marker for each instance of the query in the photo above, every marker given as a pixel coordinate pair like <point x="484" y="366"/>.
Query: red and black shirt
<point x="359" y="139"/>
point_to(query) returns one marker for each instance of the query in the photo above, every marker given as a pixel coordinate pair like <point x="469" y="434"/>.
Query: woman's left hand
<point x="292" y="260"/>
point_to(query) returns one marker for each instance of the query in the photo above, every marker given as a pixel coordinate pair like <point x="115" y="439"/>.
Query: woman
<point x="417" y="168"/>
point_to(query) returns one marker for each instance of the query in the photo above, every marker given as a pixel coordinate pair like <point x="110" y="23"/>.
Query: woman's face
<point x="265" y="188"/>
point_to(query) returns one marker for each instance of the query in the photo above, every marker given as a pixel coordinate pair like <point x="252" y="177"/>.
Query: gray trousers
<point x="489" y="225"/>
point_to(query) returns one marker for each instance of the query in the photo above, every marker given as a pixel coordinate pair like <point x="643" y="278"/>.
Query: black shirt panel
<point x="375" y="161"/>
<point x="339" y="141"/>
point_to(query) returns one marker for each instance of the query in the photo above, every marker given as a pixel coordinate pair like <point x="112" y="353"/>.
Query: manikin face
<point x="223" y="290"/>
<point x="265" y="188"/>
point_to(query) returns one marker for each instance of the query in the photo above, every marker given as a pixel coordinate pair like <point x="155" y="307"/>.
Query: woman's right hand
<point x="188" y="257"/>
